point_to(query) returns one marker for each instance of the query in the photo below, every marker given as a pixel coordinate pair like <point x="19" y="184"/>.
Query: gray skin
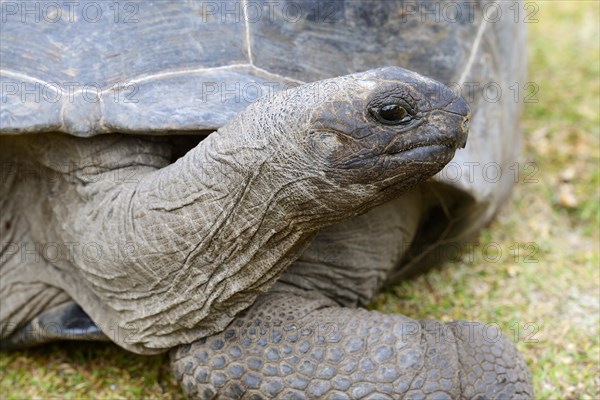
<point x="120" y="237"/>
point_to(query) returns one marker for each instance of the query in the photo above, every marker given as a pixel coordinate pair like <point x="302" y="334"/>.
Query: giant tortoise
<point x="223" y="180"/>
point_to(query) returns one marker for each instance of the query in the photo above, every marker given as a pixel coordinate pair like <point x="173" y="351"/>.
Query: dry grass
<point x="551" y="305"/>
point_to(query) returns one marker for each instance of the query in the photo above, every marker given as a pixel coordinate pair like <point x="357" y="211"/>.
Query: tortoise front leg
<point x="297" y="344"/>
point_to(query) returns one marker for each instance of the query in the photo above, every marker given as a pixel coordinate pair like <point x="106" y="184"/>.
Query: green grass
<point x="551" y="305"/>
<point x="94" y="370"/>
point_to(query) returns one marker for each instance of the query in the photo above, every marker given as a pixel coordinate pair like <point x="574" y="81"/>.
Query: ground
<point x="542" y="290"/>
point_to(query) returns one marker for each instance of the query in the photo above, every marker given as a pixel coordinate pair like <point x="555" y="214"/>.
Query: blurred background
<point x="543" y="289"/>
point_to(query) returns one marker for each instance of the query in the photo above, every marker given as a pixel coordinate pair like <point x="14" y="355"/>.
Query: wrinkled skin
<point x="216" y="229"/>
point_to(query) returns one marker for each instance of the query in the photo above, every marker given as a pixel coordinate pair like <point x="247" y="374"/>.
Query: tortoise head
<point x="389" y="128"/>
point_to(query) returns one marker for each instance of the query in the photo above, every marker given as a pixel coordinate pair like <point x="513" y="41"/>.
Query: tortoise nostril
<point x="465" y="125"/>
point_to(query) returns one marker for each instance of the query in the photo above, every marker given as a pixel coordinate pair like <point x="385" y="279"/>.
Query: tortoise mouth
<point x="413" y="165"/>
<point x="426" y="154"/>
<point x="440" y="143"/>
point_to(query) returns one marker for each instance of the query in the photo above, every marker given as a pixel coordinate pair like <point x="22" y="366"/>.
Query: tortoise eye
<point x="391" y="114"/>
